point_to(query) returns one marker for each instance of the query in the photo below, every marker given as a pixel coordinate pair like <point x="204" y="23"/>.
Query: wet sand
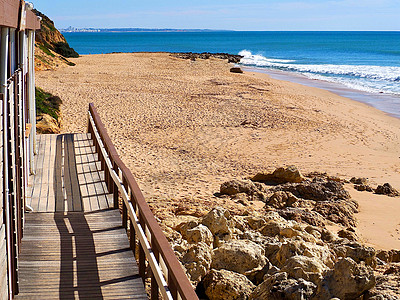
<point x="184" y="127"/>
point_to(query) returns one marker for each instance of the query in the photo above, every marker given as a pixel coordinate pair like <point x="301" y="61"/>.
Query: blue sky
<point x="235" y="15"/>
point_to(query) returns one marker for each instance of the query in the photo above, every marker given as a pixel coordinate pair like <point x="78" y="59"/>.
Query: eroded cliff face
<point x="51" y="47"/>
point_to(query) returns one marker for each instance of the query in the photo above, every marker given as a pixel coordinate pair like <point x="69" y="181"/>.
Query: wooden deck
<point x="74" y="246"/>
<point x="68" y="176"/>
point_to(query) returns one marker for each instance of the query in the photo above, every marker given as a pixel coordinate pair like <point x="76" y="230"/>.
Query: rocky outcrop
<point x="285" y="252"/>
<point x="387" y="189"/>
<point x="227" y="285"/>
<point x="197" y="261"/>
<point x="280" y="175"/>
<point x="347" y="280"/>
<point x="239" y="256"/>
<point x="279" y="286"/>
<point x="47" y="124"/>
<point x="232" y="58"/>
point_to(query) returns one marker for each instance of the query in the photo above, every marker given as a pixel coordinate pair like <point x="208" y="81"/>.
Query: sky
<point x="224" y="14"/>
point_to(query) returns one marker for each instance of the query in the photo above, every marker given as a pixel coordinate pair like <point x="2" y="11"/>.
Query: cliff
<point x="51" y="47"/>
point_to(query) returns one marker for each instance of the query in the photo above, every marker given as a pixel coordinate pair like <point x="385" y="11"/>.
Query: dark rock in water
<point x="387" y="189"/>
<point x="360" y="180"/>
<point x="363" y="187"/>
<point x="318" y="190"/>
<point x="236" y="70"/>
<point x="232" y="58"/>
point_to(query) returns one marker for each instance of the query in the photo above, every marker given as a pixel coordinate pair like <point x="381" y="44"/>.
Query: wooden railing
<point x="166" y="273"/>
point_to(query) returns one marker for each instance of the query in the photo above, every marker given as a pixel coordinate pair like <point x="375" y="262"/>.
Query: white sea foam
<point x="361" y="71"/>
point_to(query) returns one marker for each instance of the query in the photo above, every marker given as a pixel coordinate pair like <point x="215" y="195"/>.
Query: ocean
<point x="364" y="66"/>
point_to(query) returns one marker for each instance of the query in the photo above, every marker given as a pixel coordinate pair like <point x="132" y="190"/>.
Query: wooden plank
<point x="59" y="195"/>
<point x="79" y="256"/>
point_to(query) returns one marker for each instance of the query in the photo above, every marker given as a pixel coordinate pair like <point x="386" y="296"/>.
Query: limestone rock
<point x="240" y="256"/>
<point x="278" y="286"/>
<point x="255" y="190"/>
<point x="47" y="124"/>
<point x="292" y="248"/>
<point x="198" y="234"/>
<point x="227" y="285"/>
<point x="281" y="199"/>
<point x="348" y="234"/>
<point x="218" y="221"/>
<point x="360" y="180"/>
<point x="280" y="175"/>
<point x="197" y="261"/>
<point x="363" y="187"/>
<point x="308" y="268"/>
<point x="318" y="190"/>
<point x="339" y="212"/>
<point x="254" y="222"/>
<point x="348" y="280"/>
<point x="387" y="189"/>
<point x="302" y="215"/>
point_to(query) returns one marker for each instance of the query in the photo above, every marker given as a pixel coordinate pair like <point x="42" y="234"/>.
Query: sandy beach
<point x="184" y="127"/>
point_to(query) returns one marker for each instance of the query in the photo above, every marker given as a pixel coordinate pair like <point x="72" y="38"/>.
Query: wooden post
<point x="115" y="193"/>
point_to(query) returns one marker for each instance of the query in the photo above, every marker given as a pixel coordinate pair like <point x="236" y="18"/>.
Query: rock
<point x="360" y="180"/>
<point x="240" y="256"/>
<point x="281" y="199"/>
<point x="280" y="175"/>
<point x="339" y="212"/>
<point x="236" y="70"/>
<point x="292" y="248"/>
<point x="327" y="236"/>
<point x="232" y="58"/>
<point x="361" y="253"/>
<point x="386" y="189"/>
<point x="233" y="187"/>
<point x="271" y="229"/>
<point x="318" y="190"/>
<point x="363" y="187"/>
<point x="308" y="268"/>
<point x="346" y="234"/>
<point x="227" y="285"/>
<point x="348" y="280"/>
<point x="289" y="232"/>
<point x="197" y="261"/>
<point x="255" y="223"/>
<point x="302" y="215"/>
<point x="47" y="124"/>
<point x="218" y="221"/>
<point x="278" y="286"/>
<point x="198" y="234"/>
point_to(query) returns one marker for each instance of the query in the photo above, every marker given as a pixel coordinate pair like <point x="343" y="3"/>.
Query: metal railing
<point x="166" y="273"/>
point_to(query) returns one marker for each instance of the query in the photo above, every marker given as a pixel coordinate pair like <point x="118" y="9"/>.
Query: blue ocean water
<point x="364" y="61"/>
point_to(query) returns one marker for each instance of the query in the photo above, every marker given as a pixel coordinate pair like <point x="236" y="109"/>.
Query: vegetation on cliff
<point x="52" y="49"/>
<point x="47" y="112"/>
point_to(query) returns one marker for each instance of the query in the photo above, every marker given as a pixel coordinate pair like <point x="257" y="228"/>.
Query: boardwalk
<point x="74" y="246"/>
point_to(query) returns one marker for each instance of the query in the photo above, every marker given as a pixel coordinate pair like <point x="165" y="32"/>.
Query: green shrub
<point x="46" y="103"/>
<point x="65" y="50"/>
<point x="45" y="50"/>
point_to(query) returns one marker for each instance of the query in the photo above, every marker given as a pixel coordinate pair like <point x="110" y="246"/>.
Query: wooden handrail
<point x="120" y="181"/>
